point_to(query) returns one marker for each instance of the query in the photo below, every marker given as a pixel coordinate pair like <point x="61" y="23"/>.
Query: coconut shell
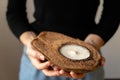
<point x="49" y="44"/>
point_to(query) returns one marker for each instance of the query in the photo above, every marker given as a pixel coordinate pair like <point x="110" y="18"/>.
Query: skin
<point x="37" y="58"/>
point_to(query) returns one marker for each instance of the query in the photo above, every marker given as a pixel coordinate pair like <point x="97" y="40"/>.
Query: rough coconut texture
<point x="49" y="44"/>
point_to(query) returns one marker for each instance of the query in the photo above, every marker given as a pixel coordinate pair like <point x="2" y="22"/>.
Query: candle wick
<point x="77" y="52"/>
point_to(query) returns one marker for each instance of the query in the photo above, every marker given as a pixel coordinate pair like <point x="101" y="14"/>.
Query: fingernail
<point x="41" y="57"/>
<point x="61" y="71"/>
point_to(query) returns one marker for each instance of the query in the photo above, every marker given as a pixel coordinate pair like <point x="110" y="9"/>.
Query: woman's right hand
<point x="36" y="58"/>
<point x="39" y="62"/>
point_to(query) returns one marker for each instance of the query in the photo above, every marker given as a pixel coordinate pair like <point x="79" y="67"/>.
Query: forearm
<point x="94" y="40"/>
<point x="16" y="17"/>
<point x="109" y="20"/>
<point x="27" y="37"/>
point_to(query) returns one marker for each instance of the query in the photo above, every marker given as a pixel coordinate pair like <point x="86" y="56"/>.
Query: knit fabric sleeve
<point x="109" y="21"/>
<point x="17" y="17"/>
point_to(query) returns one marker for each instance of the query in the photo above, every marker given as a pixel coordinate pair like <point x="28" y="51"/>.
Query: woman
<point x="73" y="18"/>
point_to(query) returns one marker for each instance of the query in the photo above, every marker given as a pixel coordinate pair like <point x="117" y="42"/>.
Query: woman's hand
<point x="71" y="74"/>
<point x="39" y="62"/>
<point x="36" y="58"/>
<point x="77" y="75"/>
<point x="94" y="40"/>
<point x="97" y="42"/>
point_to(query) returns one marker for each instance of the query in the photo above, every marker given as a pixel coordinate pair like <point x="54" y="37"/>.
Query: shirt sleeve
<point x="109" y="21"/>
<point x="17" y="17"/>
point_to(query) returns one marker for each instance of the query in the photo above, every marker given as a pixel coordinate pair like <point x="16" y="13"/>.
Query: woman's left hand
<point x="71" y="74"/>
<point x="77" y="75"/>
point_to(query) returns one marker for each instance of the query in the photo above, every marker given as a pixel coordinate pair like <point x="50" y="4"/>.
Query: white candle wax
<point x="74" y="52"/>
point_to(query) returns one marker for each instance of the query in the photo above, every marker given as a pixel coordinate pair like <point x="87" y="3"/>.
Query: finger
<point x="40" y="56"/>
<point x="77" y="75"/>
<point x="55" y="67"/>
<point x="50" y="72"/>
<point x="38" y="64"/>
<point x="64" y="73"/>
<point x="32" y="52"/>
<point x="103" y="61"/>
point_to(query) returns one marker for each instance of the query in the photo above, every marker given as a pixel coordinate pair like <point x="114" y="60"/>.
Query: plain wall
<point x="11" y="49"/>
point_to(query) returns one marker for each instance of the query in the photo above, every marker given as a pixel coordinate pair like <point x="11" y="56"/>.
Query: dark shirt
<point x="75" y="18"/>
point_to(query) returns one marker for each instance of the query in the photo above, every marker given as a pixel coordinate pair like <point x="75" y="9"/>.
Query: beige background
<point x="11" y="48"/>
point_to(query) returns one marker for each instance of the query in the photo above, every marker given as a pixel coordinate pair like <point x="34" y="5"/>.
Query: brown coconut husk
<point x="48" y="43"/>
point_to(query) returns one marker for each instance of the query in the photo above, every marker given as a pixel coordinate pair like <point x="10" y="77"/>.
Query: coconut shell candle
<point x="67" y="53"/>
